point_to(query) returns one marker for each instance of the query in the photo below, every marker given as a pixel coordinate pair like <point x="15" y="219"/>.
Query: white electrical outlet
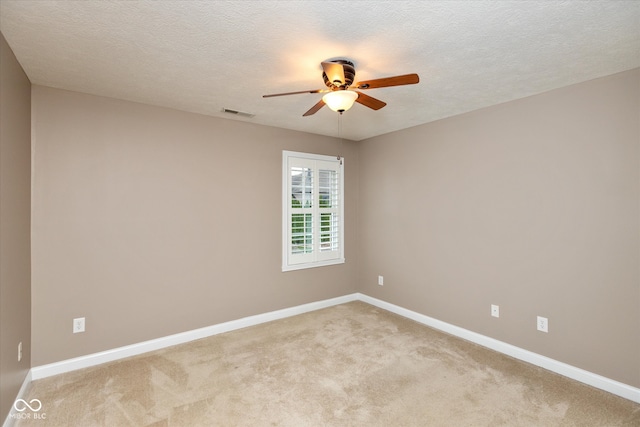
<point x="380" y="280"/>
<point x="543" y="324"/>
<point x="495" y="310"/>
<point x="78" y="325"/>
<point x="20" y="351"/>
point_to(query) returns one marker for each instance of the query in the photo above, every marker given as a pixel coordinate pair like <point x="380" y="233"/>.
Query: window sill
<point x="312" y="265"/>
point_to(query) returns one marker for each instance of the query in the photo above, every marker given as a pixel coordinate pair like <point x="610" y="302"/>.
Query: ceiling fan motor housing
<point x="349" y="75"/>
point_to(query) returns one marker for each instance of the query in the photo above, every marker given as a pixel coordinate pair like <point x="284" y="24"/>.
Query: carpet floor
<point x="348" y="365"/>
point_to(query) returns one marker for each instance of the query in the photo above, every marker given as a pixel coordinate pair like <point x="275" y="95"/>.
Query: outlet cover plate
<point x="543" y="324"/>
<point x="78" y="325"/>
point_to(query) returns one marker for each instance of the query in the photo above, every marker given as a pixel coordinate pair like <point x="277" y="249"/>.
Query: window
<point x="313" y="210"/>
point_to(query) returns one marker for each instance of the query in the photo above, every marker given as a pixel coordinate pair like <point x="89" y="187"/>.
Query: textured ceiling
<point x="201" y="56"/>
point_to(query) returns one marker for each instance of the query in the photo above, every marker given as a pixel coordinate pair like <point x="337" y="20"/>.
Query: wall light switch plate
<point x="380" y="280"/>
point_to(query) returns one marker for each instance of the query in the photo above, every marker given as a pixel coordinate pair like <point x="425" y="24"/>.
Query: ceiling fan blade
<point x="406" y="79"/>
<point x="334" y="72"/>
<point x="296" y="93"/>
<point x="369" y="101"/>
<point x="314" y="109"/>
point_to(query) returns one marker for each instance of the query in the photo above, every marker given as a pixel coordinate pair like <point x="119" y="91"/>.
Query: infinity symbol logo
<point x="21" y="405"/>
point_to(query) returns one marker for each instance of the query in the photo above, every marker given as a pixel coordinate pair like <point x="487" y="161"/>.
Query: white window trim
<point x="286" y="207"/>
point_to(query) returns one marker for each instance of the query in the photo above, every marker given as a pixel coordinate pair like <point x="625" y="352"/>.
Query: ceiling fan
<point x="338" y="76"/>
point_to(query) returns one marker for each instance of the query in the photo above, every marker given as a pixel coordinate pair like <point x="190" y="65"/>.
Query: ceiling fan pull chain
<point x="340" y="136"/>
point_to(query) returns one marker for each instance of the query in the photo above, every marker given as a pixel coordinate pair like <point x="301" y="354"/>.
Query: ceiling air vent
<point x="237" y="113"/>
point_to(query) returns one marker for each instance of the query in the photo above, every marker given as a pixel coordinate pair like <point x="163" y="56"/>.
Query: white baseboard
<point x="134" y="349"/>
<point x="586" y="377"/>
<point x="9" y="422"/>
<point x="595" y="380"/>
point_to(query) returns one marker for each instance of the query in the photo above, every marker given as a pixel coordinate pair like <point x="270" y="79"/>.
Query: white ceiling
<point x="201" y="56"/>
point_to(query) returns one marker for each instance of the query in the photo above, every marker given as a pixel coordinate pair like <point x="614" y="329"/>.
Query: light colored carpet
<point x="348" y="365"/>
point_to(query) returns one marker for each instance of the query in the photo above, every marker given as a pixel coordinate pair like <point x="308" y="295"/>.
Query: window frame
<point x="317" y="258"/>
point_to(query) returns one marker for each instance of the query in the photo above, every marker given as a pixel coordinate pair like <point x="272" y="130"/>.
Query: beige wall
<point x="144" y="222"/>
<point x="15" y="217"/>
<point x="532" y="205"/>
<point x="150" y="222"/>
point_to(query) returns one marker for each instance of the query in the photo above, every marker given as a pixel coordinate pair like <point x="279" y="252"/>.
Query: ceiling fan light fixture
<point x="340" y="100"/>
<point x="338" y="76"/>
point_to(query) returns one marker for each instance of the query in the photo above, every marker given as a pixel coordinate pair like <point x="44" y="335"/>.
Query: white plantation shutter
<point x="329" y="204"/>
<point x="313" y="210"/>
